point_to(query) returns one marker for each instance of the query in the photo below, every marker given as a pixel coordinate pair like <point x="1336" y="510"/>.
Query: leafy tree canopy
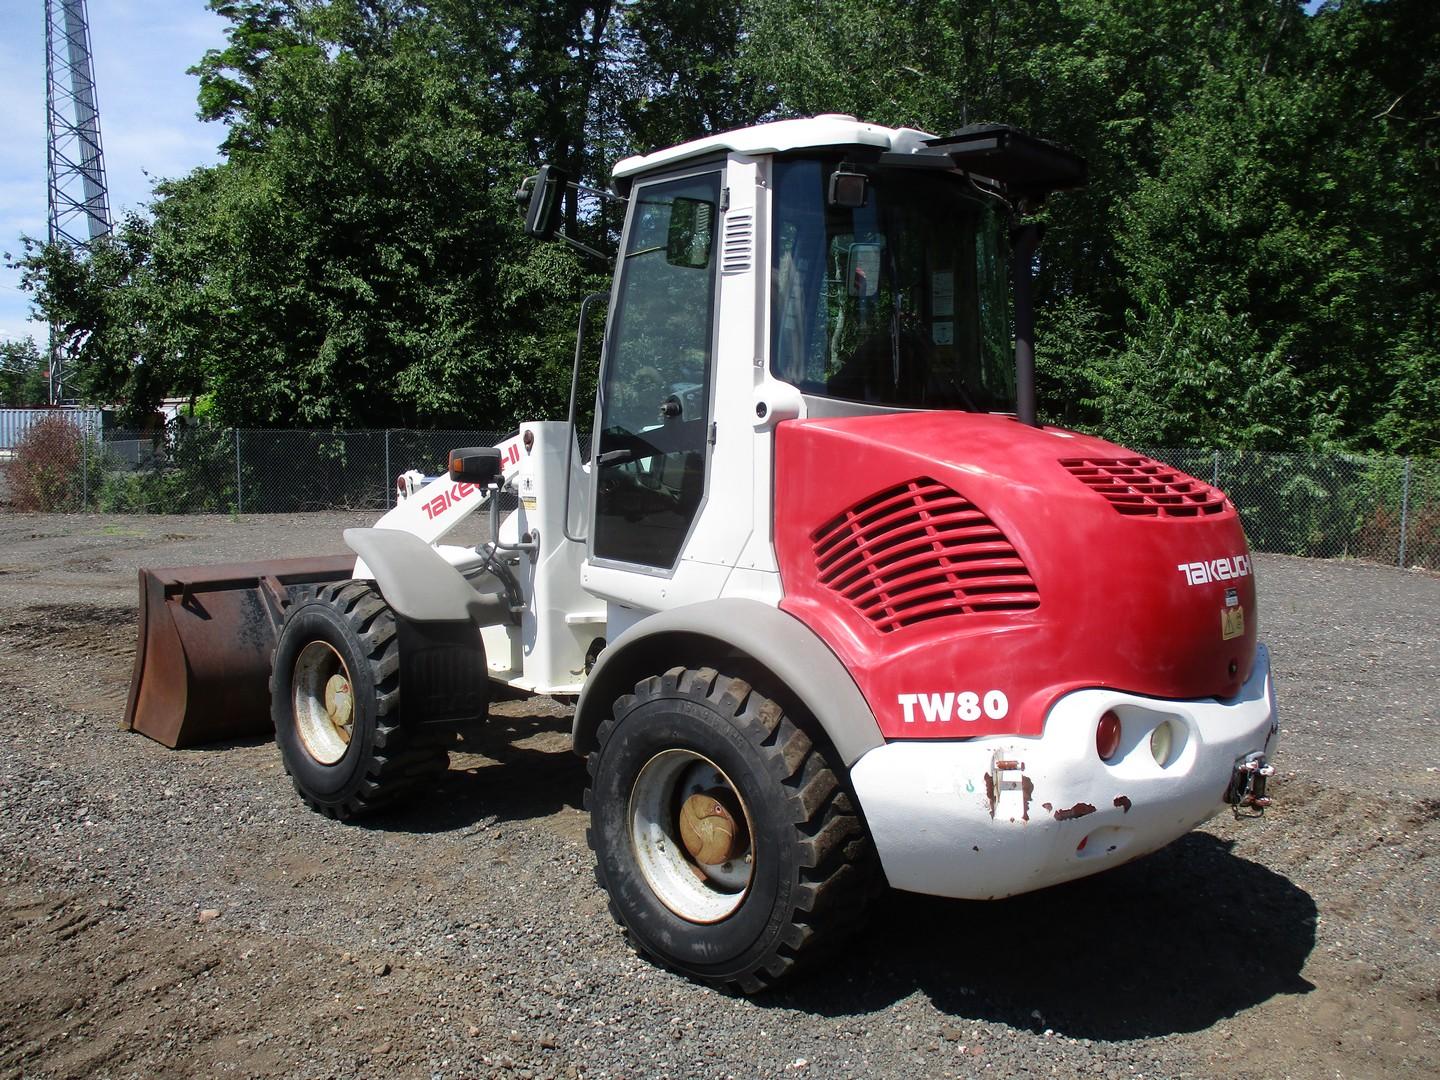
<point x="24" y="373"/>
<point x="1254" y="262"/>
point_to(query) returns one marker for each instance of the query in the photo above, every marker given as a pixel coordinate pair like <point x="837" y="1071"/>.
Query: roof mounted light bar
<point x="1026" y="168"/>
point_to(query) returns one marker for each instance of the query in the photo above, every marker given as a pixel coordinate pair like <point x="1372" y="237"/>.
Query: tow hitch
<point x="1247" y="786"/>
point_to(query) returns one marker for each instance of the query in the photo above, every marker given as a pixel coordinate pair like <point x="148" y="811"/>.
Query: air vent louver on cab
<point x="920" y="551"/>
<point x="1143" y="487"/>
<point x="739" y="241"/>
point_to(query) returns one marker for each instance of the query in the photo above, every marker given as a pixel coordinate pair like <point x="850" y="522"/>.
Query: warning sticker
<point x="1232" y="623"/>
<point x="942" y="294"/>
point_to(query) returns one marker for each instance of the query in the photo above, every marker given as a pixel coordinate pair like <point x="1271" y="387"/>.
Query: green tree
<point x="356" y="260"/>
<point x="1254" y="258"/>
<point x="1253" y="262"/>
<point x="24" y="373"/>
<point x="677" y="75"/>
<point x="96" y="303"/>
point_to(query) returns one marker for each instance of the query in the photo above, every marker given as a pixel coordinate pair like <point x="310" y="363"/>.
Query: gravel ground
<point x="181" y="913"/>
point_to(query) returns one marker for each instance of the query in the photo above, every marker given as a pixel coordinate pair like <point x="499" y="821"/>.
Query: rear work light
<point x="1107" y="736"/>
<point x="1162" y="741"/>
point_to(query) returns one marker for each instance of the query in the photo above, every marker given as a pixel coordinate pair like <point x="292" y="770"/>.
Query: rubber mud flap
<point x="206" y="635"/>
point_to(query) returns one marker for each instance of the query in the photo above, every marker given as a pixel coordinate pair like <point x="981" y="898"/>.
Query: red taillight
<point x="1107" y="736"/>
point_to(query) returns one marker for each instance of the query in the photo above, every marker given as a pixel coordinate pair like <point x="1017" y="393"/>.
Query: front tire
<point x="728" y="846"/>
<point x="335" y="701"/>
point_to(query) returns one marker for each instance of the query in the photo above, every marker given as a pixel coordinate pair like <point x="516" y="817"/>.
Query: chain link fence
<point x="1327" y="506"/>
<point x="1386" y="509"/>
<point x="224" y="470"/>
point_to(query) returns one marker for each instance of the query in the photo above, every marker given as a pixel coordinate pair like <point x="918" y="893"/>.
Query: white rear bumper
<point x="992" y="817"/>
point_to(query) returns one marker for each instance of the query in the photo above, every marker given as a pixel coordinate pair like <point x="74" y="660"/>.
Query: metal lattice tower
<point x="79" y="200"/>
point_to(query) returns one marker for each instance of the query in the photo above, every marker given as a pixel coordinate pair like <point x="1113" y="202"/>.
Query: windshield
<point x="902" y="302"/>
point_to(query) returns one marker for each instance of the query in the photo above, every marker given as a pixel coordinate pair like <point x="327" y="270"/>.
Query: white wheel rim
<point x="323" y="702"/>
<point x="696" y="892"/>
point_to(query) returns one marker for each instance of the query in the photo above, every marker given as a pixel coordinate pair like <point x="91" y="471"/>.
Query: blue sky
<point x="147" y="114"/>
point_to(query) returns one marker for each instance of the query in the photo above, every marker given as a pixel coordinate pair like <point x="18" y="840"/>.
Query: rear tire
<point x="780" y="876"/>
<point x="335" y="701"/>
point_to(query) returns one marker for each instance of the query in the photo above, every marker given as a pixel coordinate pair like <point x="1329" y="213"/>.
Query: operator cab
<point x="802" y="269"/>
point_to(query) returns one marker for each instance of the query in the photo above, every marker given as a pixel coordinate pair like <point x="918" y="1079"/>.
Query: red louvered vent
<point x="920" y="551"/>
<point x="1143" y="487"/>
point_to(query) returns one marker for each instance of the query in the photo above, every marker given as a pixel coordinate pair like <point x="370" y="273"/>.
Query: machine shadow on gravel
<point x="1168" y="944"/>
<point x="513" y="768"/>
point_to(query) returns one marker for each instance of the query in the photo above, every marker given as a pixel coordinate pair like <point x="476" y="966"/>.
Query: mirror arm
<point x="584" y="247"/>
<point x="598" y="192"/>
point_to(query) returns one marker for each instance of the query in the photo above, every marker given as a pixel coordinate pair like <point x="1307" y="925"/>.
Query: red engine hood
<point x="969" y="569"/>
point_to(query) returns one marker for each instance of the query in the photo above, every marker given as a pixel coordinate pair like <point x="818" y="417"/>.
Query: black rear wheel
<point x="335" y="701"/>
<point x="728" y="846"/>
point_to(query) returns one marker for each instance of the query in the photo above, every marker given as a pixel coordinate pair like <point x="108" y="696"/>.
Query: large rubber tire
<point x="811" y="864"/>
<point x="374" y="761"/>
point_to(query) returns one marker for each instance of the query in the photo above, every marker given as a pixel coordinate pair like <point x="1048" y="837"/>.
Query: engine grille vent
<point x="920" y="551"/>
<point x="1143" y="487"/>
<point x="739" y="241"/>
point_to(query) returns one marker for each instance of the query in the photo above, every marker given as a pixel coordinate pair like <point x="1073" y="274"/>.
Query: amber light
<point x="1107" y="736"/>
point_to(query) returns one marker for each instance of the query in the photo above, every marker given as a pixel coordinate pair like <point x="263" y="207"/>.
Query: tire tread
<point x="838" y="869"/>
<point x="403" y="760"/>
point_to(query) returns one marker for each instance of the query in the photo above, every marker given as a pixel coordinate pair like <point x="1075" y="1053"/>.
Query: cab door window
<point x="655" y="393"/>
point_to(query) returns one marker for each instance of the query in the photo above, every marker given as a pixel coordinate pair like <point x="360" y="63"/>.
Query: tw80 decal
<point x="1202" y="573"/>
<point x="965" y="706"/>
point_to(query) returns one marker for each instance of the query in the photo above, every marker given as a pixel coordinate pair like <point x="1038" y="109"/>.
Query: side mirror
<point x="546" y="190"/>
<point x="691" y="233"/>
<point x="478" y="465"/>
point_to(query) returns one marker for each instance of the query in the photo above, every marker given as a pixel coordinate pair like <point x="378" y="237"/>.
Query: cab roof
<point x="830" y="129"/>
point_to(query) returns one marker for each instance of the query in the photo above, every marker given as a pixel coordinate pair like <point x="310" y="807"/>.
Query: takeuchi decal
<point x="453" y="496"/>
<point x="1224" y="569"/>
<point x="457" y="493"/>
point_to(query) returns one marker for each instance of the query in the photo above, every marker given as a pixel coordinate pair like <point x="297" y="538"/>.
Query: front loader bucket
<point x="202" y="661"/>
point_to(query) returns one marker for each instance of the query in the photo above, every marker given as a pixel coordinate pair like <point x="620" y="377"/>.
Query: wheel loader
<point x="835" y="611"/>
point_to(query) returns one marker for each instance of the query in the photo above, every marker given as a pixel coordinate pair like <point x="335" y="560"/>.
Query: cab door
<point x="653" y="413"/>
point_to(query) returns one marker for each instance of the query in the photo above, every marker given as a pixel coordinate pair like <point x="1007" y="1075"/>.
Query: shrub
<point x="1423" y="538"/>
<point x="46" y="472"/>
<point x="190" y="471"/>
